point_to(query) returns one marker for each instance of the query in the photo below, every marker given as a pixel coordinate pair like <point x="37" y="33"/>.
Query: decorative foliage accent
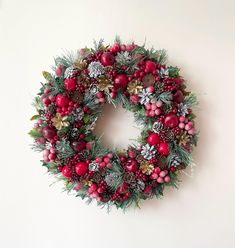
<point x="70" y="101"/>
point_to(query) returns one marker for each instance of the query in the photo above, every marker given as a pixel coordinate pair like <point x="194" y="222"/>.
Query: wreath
<point x="71" y="100"/>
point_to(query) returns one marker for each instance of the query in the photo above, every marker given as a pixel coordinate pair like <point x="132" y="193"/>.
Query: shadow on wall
<point x="116" y="127"/>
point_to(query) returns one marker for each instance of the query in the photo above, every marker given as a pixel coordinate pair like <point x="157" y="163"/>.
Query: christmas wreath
<point x="70" y="102"/>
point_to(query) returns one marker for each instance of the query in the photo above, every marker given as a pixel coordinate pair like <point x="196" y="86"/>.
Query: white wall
<point x="199" y="36"/>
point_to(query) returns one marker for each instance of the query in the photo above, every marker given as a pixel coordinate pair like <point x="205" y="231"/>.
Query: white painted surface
<point x="199" y="36"/>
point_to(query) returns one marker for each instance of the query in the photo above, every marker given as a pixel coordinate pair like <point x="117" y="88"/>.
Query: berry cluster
<point x="105" y="162"/>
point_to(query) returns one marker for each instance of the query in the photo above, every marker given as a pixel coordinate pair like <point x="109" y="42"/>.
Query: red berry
<point x="120" y="81"/>
<point x="107" y="58"/>
<point x="66" y="171"/>
<point x="163" y="148"/>
<point x="171" y="120"/>
<point x="81" y="168"/>
<point x="70" y="84"/>
<point x="150" y="66"/>
<point x="92" y="188"/>
<point x="153" y="139"/>
<point x="61" y="100"/>
<point x="59" y="70"/>
<point x="46" y="101"/>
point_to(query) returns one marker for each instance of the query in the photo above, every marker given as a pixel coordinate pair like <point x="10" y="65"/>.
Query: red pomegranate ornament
<point x="120" y="81"/>
<point x="61" y="100"/>
<point x="171" y="120"/>
<point x="107" y="58"/>
<point x="70" y="84"/>
<point x="153" y="139"/>
<point x="81" y="168"/>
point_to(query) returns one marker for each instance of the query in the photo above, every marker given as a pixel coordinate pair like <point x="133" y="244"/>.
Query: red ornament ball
<point x="150" y="66"/>
<point x="107" y="58"/>
<point x="70" y="84"/>
<point x="48" y="132"/>
<point x="79" y="145"/>
<point x="115" y="48"/>
<point x="132" y="165"/>
<point x="120" y="81"/>
<point x="171" y="120"/>
<point x="61" y="100"/>
<point x="163" y="148"/>
<point x="178" y="96"/>
<point x="81" y="168"/>
<point x="66" y="171"/>
<point x="122" y="188"/>
<point x="153" y="139"/>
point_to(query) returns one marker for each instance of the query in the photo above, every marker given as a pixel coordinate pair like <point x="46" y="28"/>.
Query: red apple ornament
<point x="107" y="58"/>
<point x="132" y="165"/>
<point x="178" y="96"/>
<point x="120" y="81"/>
<point x="48" y="132"/>
<point x="153" y="139"/>
<point x="81" y="168"/>
<point x="66" y="171"/>
<point x="150" y="66"/>
<point x="79" y="145"/>
<point x="122" y="188"/>
<point x="171" y="120"/>
<point x="115" y="48"/>
<point x="163" y="148"/>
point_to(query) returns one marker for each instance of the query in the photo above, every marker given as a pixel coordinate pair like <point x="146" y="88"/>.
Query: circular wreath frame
<point x="70" y="102"/>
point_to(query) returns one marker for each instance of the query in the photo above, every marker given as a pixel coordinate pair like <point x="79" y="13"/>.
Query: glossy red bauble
<point x="150" y="66"/>
<point x="61" y="100"/>
<point x="178" y="96"/>
<point x="81" y="168"/>
<point x="132" y="165"/>
<point x="171" y="120"/>
<point x="107" y="58"/>
<point x="70" y="84"/>
<point x="120" y="81"/>
<point x="122" y="188"/>
<point x="115" y="48"/>
<point x="153" y="139"/>
<point x="66" y="171"/>
<point x="48" y="132"/>
<point x="78" y="146"/>
<point x="163" y="148"/>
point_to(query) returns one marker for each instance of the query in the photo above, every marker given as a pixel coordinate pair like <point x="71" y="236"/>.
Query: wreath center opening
<point x="116" y="127"/>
